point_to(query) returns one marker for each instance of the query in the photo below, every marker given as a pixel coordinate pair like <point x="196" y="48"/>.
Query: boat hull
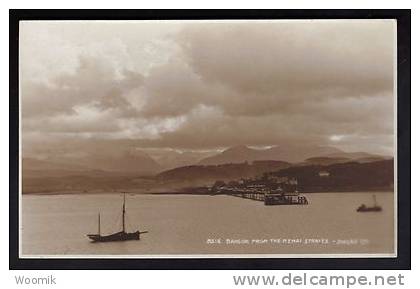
<point x="369" y="209"/>
<point x="120" y="236"/>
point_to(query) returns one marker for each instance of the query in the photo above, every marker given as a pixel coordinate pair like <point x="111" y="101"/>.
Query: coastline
<point x="186" y="193"/>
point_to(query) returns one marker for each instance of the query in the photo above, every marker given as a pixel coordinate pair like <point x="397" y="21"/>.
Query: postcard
<point x="208" y="138"/>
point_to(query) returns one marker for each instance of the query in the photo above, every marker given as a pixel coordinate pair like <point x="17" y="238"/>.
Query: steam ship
<point x="375" y="208"/>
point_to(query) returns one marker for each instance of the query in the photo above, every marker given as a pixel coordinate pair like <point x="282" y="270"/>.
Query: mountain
<point x="350" y="176"/>
<point x="372" y="159"/>
<point x="292" y="154"/>
<point x="94" y="154"/>
<point x="169" y="159"/>
<point x="202" y="175"/>
<point x="298" y="152"/>
<point x="361" y="157"/>
<point x="93" y="174"/>
<point x="325" y="161"/>
<point x="336" y="177"/>
<point x="47" y="177"/>
<point x="128" y="161"/>
<point x="343" y="157"/>
<point x="233" y="155"/>
<point x="89" y="181"/>
<point x="353" y="155"/>
<point x="125" y="161"/>
<point x="40" y="165"/>
<point x="32" y="167"/>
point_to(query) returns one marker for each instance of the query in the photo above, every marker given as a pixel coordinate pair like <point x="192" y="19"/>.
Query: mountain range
<point x="205" y="175"/>
<point x="291" y="154"/>
<point x="150" y="162"/>
<point x="127" y="162"/>
<point x="349" y="176"/>
<point x="124" y="168"/>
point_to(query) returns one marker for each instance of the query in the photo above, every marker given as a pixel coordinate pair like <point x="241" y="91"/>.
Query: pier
<point x="251" y="196"/>
<point x="270" y="198"/>
<point x="271" y="191"/>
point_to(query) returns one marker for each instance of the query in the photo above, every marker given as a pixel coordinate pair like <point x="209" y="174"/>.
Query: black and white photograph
<point x="208" y="138"/>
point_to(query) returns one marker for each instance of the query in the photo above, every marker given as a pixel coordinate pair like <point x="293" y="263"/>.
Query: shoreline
<point x="185" y="193"/>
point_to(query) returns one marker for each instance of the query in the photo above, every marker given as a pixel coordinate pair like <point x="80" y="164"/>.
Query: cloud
<point x="93" y="82"/>
<point x="208" y="85"/>
<point x="290" y="63"/>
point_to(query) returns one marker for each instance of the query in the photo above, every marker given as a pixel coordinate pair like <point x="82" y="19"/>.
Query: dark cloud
<point x="271" y="67"/>
<point x="230" y="83"/>
<point x="265" y="57"/>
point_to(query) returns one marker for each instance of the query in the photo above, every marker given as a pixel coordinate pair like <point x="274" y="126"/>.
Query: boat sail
<point x="119" y="236"/>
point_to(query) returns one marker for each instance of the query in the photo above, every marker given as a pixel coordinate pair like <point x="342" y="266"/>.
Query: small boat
<point x="119" y="236"/>
<point x="375" y="208"/>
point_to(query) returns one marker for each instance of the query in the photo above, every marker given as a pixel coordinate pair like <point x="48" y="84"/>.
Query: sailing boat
<point x="119" y="236"/>
<point x="374" y="208"/>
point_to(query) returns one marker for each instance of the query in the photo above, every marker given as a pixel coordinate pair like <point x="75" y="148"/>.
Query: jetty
<point x="282" y="192"/>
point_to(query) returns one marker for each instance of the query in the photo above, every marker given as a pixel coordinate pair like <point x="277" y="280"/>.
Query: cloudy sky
<point x="209" y="85"/>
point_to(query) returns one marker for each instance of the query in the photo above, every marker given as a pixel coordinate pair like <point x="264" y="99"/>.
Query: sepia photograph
<point x="208" y="138"/>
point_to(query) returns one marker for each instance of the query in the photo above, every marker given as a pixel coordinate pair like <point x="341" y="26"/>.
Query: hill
<point x="170" y="159"/>
<point x="344" y="157"/>
<point x="292" y="154"/>
<point x="91" y="173"/>
<point x="122" y="162"/>
<point x="202" y="175"/>
<point x="324" y="161"/>
<point x="350" y="176"/>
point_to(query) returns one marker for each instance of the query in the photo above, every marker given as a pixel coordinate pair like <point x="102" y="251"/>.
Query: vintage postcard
<point x="205" y="139"/>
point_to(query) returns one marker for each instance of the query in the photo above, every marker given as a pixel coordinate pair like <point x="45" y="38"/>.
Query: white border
<point x="395" y="138"/>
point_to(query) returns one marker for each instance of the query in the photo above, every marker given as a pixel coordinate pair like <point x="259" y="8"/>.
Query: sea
<point x="202" y="225"/>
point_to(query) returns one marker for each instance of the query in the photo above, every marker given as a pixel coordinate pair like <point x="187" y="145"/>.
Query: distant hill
<point x="43" y="176"/>
<point x="342" y="157"/>
<point x="34" y="168"/>
<point x="371" y="159"/>
<point x="325" y="161"/>
<point x="292" y="154"/>
<point x="298" y="152"/>
<point x="40" y="165"/>
<point x="355" y="155"/>
<point x="169" y="159"/>
<point x="350" y="176"/>
<point x="233" y="155"/>
<point x="124" y="161"/>
<point x="200" y="175"/>
<point x="85" y="182"/>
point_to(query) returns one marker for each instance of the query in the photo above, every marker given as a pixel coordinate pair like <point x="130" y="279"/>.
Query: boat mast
<point x="99" y="223"/>
<point x="123" y="215"/>
<point x="374" y="200"/>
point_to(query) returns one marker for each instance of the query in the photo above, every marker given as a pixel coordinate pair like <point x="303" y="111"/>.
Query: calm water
<point x="187" y="224"/>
